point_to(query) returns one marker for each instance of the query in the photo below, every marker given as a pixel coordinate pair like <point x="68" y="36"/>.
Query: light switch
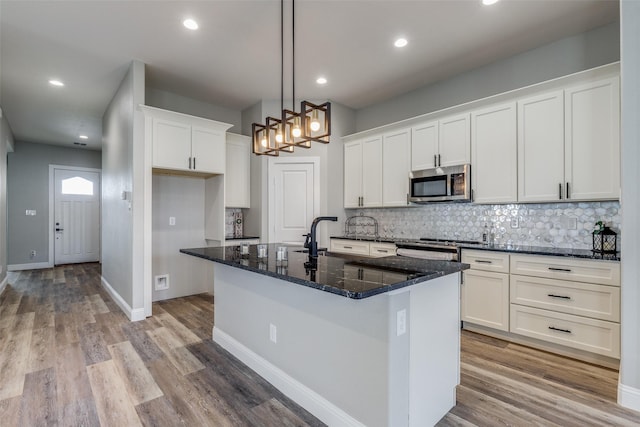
<point x="172" y="220"/>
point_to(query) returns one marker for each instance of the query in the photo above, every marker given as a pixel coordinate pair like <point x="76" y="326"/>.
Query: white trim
<point x="629" y="397"/>
<point x="317" y="405"/>
<point x="52" y="169"/>
<point x="315" y="161"/>
<point x="3" y="285"/>
<point x="30" y="266"/>
<point x="133" y="314"/>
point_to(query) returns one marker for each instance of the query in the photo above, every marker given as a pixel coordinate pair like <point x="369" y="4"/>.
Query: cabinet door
<point x="592" y="140"/>
<point x="237" y="178"/>
<point x="424" y="146"/>
<point x="485" y="299"/>
<point x="494" y="154"/>
<point x="372" y="171"/>
<point x="454" y="140"/>
<point x="171" y="144"/>
<point x="395" y="168"/>
<point x="541" y="148"/>
<point x="352" y="174"/>
<point x="208" y="150"/>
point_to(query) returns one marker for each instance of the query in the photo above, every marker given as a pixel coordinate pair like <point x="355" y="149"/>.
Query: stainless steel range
<point x="427" y="248"/>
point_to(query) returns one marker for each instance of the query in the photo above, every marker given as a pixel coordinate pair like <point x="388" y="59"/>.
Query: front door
<point x="76" y="216"/>
<point x="294" y="199"/>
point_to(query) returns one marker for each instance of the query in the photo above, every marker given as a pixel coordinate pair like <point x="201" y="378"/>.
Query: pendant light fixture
<point x="293" y="129"/>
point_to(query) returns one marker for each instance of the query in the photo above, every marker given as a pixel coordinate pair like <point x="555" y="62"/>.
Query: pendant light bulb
<point x="315" y="123"/>
<point x="264" y="141"/>
<point x="279" y="135"/>
<point x="296" y="131"/>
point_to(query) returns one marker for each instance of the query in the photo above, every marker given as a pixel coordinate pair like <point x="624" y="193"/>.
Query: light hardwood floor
<point x="69" y="357"/>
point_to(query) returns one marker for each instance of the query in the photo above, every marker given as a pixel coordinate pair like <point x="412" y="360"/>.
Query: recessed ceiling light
<point x="190" y="24"/>
<point x="401" y="42"/>
<point x="321" y="80"/>
<point x="489" y="2"/>
<point x="54" y="82"/>
<point x="83" y="137"/>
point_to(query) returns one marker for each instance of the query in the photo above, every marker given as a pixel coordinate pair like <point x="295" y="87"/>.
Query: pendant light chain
<point x="281" y="55"/>
<point x="293" y="55"/>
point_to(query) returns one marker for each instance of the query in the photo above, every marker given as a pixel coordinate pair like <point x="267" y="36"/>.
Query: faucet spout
<point x="313" y="243"/>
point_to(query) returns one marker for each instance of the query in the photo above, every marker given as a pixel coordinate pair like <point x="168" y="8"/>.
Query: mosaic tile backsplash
<point x="559" y="225"/>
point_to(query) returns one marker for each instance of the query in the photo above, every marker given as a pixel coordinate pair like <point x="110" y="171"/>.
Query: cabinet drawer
<point x="596" y="336"/>
<point x="355" y="247"/>
<point x="583" y="299"/>
<point x="497" y="262"/>
<point x="381" y="249"/>
<point x="563" y="268"/>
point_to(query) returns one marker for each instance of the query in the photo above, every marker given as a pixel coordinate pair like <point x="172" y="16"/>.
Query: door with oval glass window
<point x="77" y="216"/>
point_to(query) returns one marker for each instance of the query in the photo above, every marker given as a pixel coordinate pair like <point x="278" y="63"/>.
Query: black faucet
<point x="310" y="242"/>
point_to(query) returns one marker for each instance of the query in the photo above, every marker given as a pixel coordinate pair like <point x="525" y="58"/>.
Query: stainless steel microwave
<point x="445" y="184"/>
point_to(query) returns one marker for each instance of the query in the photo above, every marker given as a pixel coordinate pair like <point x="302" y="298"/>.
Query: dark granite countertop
<point x="352" y="277"/>
<point x="243" y="238"/>
<point x="539" y="250"/>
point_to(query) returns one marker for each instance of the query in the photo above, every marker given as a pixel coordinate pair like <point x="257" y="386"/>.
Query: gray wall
<point x="174" y="102"/>
<point x="630" y="61"/>
<point x="6" y="143"/>
<point x="183" y="198"/>
<point x="560" y="58"/>
<point x="123" y="127"/>
<point x="28" y="188"/>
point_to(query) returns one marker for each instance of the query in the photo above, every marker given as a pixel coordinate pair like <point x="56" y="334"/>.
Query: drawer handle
<point x="559" y="296"/>
<point x="566" y="270"/>
<point x="348" y="247"/>
<point x="382" y="250"/>
<point x="482" y="261"/>
<point x="566" y="331"/>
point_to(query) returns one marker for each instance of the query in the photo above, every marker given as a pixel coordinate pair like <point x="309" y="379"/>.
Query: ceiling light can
<point x="190" y="24"/>
<point x="56" y="82"/>
<point x="401" y="42"/>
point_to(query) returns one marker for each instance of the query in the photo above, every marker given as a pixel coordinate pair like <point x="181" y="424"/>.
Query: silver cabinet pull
<point x="189" y="162"/>
<point x="482" y="261"/>
<point x="348" y="247"/>
<point x="382" y="250"/>
<point x="566" y="270"/>
<point x="559" y="296"/>
<point x="435" y="161"/>
<point x="566" y="331"/>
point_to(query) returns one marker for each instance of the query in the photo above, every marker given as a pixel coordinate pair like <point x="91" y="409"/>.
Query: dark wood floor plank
<point x="273" y="413"/>
<point x="39" y="392"/>
<point x="159" y="412"/>
<point x="93" y="345"/>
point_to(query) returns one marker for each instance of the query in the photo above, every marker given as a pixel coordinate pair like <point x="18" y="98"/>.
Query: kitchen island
<point x="355" y="341"/>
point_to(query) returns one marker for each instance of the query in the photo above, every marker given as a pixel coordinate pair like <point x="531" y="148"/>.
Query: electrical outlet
<point x="162" y="282"/>
<point x="32" y="254"/>
<point x="515" y="222"/>
<point x="30" y="212"/>
<point x="401" y="322"/>
<point x="273" y="333"/>
<point x="172" y="220"/>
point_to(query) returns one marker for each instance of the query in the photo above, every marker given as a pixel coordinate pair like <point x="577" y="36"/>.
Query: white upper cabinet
<point x="424" y="146"/>
<point x="443" y="142"/>
<point x="494" y="154"/>
<point x="454" y="145"/>
<point x="237" y="179"/>
<point x="541" y="147"/>
<point x="372" y="171"/>
<point x="395" y="168"/>
<point x="592" y="140"/>
<point x="352" y="174"/>
<point x="569" y="144"/>
<point x="185" y="143"/>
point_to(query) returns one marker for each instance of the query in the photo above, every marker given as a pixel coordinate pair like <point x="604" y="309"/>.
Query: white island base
<point x="349" y="362"/>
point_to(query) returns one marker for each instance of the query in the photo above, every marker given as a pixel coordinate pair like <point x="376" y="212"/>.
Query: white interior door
<point x="294" y="199"/>
<point x="76" y="216"/>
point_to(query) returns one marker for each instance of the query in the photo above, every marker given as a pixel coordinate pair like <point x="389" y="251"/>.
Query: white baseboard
<point x="3" y="285"/>
<point x="629" y="397"/>
<point x="133" y="314"/>
<point x="30" y="266"/>
<point x="317" y="405"/>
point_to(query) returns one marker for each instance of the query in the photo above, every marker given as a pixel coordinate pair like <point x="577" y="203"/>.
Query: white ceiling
<point x="233" y="59"/>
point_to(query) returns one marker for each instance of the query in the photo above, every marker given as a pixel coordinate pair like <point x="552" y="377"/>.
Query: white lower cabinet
<point x="485" y="289"/>
<point x="363" y="248"/>
<point x="571" y="302"/>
